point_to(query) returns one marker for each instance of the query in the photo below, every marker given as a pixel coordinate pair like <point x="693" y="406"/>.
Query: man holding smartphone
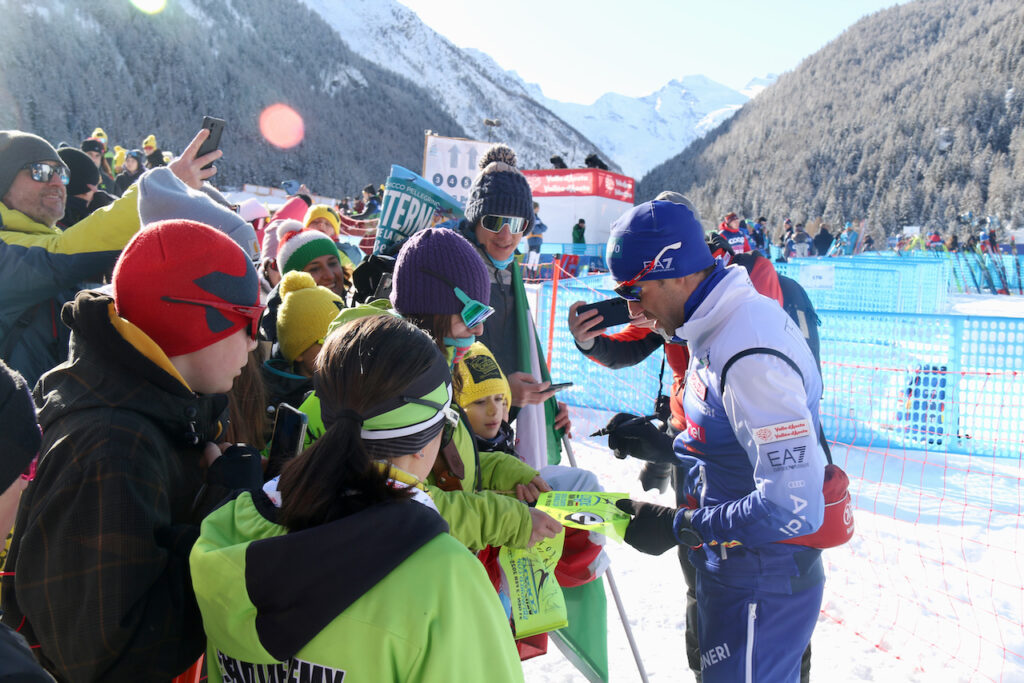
<point x="750" y="445"/>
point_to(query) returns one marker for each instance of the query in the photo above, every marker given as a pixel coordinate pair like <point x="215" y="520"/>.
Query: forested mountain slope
<point x="66" y="68"/>
<point x="913" y="115"/>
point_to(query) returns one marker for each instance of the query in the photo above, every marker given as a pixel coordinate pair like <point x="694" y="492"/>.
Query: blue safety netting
<point x="892" y="377"/>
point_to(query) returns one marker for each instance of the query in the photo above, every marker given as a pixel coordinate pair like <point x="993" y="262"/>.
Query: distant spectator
<point x="759" y="235"/>
<point x="823" y="240"/>
<point x="134" y="166"/>
<point x="579" y="232"/>
<point x="536" y="236"/>
<point x="846" y="243"/>
<point x="85" y="179"/>
<point x="371" y="205"/>
<point x="803" y="245"/>
<point x="97" y="149"/>
<point x="154" y="155"/>
<point x="729" y="228"/>
<point x="324" y="219"/>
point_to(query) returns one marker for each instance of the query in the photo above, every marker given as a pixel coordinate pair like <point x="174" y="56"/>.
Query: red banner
<point x="580" y="181"/>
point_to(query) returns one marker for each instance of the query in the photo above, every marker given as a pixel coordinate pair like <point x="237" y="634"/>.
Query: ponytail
<point x="331" y="479"/>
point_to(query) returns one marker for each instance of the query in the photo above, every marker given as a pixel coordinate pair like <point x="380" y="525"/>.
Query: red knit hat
<point x="176" y="260"/>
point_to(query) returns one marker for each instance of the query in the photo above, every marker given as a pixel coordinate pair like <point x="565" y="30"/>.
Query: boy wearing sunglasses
<point x="131" y="460"/>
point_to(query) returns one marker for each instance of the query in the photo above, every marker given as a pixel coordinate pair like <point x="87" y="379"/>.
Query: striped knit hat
<point x="299" y="248"/>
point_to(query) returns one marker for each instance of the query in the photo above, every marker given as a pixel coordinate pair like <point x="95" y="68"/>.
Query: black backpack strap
<point x="791" y="363"/>
<point x="754" y="351"/>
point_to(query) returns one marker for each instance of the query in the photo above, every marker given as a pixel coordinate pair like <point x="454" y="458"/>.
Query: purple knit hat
<point x="427" y="263"/>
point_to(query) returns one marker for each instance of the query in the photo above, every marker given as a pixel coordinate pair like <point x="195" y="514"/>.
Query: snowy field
<point x="929" y="589"/>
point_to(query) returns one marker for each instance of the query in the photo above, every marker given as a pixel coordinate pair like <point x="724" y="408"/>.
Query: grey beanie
<point x="17" y="149"/>
<point x="162" y="196"/>
<point x="500" y="189"/>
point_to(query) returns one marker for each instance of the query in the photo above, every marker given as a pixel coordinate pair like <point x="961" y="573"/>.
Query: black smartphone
<point x="559" y="387"/>
<point x="288" y="439"/>
<point x="614" y="311"/>
<point x="212" y="141"/>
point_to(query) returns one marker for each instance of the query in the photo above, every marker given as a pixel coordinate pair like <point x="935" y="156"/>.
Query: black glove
<point x="238" y="467"/>
<point x="650" y="530"/>
<point x="630" y="435"/>
<point x="717" y="242"/>
<point x="655" y="475"/>
<point x="367" y="277"/>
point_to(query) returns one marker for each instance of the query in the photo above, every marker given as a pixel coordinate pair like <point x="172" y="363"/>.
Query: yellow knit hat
<point x="150" y="141"/>
<point x="119" y="154"/>
<point x="322" y="211"/>
<point x="481" y="376"/>
<point x="304" y="314"/>
<point x="99" y="133"/>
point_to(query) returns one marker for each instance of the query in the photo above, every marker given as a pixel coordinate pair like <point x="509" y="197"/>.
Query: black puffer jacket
<point x="103" y="534"/>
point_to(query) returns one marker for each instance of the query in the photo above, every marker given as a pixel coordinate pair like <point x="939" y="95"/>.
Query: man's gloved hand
<point x="651" y="530"/>
<point x="238" y="466"/>
<point x="635" y="436"/>
<point x="717" y="242"/>
<point x="656" y="475"/>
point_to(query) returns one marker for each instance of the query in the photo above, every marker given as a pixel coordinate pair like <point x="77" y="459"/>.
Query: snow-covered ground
<point x="929" y="589"/>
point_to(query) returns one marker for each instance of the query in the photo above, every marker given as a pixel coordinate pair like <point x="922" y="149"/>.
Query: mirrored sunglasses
<point x="515" y="224"/>
<point x="630" y="290"/>
<point x="43" y="172"/>
<point x="253" y="313"/>
<point x="473" y="312"/>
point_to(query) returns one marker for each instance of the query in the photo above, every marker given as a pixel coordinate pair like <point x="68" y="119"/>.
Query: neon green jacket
<point x="478" y="517"/>
<point x="381" y="595"/>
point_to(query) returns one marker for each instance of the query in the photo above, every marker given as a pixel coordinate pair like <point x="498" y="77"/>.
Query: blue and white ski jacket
<point x="751" y="442"/>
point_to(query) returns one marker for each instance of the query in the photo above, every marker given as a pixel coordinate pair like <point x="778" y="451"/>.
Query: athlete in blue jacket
<point x="750" y="445"/>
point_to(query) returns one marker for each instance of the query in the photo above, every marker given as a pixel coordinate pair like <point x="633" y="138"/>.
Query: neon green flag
<point x="590" y="511"/>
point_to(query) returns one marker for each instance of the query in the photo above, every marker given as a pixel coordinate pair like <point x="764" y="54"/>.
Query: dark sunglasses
<point x="42" y="172"/>
<point x="473" y="312"/>
<point x="253" y="313"/>
<point x="515" y="224"/>
<point x="630" y="290"/>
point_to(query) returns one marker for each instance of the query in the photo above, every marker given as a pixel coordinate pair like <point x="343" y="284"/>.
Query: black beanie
<point x="83" y="170"/>
<point x="93" y="145"/>
<point x="500" y="189"/>
<point x="19" y="433"/>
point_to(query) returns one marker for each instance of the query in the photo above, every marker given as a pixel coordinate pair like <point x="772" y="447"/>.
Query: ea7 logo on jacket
<point x="787" y="457"/>
<point x="292" y="671"/>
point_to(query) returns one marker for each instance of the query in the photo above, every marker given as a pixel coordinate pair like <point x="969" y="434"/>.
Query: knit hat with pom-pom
<point x="500" y="189"/>
<point x="304" y="314"/>
<point x="297" y="249"/>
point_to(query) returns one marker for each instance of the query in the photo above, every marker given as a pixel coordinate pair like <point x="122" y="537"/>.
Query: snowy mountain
<point x="470" y="86"/>
<point x="641" y="132"/>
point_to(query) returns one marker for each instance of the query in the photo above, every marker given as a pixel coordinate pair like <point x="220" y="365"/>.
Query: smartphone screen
<point x="212" y="142"/>
<point x="288" y="438"/>
<point x="613" y="311"/>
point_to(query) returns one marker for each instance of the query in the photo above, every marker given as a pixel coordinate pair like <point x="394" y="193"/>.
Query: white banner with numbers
<point x="450" y="163"/>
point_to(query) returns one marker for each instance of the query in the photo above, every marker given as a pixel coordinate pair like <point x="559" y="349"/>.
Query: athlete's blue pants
<point x="753" y="636"/>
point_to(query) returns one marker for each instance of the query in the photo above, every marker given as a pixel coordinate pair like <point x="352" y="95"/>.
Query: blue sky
<point x="580" y="50"/>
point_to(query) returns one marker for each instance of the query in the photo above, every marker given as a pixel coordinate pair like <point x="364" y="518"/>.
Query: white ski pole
<point x="614" y="589"/>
